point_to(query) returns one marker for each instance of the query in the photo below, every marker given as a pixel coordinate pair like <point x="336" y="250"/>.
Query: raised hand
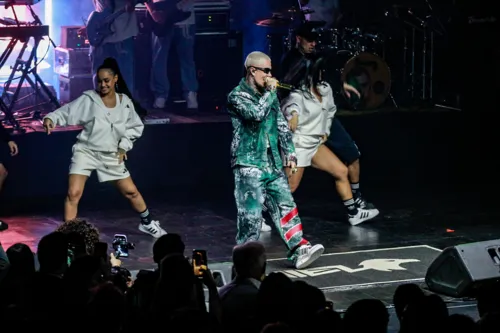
<point x="348" y="89"/>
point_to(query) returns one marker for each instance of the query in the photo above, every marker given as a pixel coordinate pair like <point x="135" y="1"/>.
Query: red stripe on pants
<point x="288" y="217"/>
<point x="290" y="233"/>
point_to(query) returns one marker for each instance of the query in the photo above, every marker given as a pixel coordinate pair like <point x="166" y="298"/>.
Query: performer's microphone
<point x="284" y="86"/>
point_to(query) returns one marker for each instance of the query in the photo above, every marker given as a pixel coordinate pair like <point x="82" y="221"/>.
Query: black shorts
<point x="341" y="143"/>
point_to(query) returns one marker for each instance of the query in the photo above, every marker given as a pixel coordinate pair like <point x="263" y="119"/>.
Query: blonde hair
<point x="256" y="58"/>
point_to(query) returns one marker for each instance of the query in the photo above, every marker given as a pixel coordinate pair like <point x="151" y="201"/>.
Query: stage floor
<point x="412" y="229"/>
<point x="413" y="170"/>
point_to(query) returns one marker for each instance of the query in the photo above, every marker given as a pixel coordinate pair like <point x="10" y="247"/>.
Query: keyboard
<point x="19" y="2"/>
<point x="24" y="32"/>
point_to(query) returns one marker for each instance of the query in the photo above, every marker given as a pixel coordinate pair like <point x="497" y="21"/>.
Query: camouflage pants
<point x="253" y="187"/>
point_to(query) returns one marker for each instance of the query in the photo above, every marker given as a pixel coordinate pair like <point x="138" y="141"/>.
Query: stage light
<point x="48" y="12"/>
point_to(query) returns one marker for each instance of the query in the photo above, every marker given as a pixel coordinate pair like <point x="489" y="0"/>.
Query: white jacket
<point x="315" y="117"/>
<point x="104" y="129"/>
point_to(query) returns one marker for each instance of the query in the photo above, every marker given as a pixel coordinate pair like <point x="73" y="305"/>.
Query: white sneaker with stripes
<point x="307" y="254"/>
<point x="362" y="216"/>
<point x="152" y="229"/>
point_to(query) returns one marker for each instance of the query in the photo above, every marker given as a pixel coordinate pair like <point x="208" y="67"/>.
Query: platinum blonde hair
<point x="256" y="58"/>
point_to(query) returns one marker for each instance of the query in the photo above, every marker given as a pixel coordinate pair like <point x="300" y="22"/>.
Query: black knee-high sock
<point x="145" y="217"/>
<point x="356" y="192"/>
<point x="351" y="207"/>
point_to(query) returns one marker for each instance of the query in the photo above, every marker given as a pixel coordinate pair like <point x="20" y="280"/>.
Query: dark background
<point x="401" y="150"/>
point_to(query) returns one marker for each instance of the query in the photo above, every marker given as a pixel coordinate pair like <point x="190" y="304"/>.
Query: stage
<point x="427" y="171"/>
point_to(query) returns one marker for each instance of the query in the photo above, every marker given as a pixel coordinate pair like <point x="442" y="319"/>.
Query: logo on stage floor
<point x="380" y="265"/>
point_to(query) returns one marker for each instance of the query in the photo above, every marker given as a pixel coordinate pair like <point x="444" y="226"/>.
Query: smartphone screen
<point x="121" y="246"/>
<point x="199" y="261"/>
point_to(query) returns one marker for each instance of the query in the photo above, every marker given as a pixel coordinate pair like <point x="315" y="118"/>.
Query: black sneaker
<point x="3" y="226"/>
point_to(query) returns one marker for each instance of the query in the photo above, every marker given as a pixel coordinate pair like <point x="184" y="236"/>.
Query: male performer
<point x="293" y="70"/>
<point x="296" y="61"/>
<point x="5" y="137"/>
<point x="182" y="36"/>
<point x="119" y="45"/>
<point x="260" y="137"/>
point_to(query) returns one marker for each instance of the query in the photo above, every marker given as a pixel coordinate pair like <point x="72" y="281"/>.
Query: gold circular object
<point x="371" y="76"/>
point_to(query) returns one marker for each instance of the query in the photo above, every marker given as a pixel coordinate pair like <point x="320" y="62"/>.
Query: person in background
<point x="173" y="27"/>
<point x="14" y="150"/>
<point x="310" y="110"/>
<point x="294" y="66"/>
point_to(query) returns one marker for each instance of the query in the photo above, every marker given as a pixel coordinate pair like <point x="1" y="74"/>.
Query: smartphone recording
<point x="199" y="261"/>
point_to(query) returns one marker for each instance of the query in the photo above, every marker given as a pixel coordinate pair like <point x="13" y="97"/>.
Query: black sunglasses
<point x="265" y="70"/>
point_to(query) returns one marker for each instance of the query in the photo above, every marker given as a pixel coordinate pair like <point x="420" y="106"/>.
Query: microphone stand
<point x="39" y="22"/>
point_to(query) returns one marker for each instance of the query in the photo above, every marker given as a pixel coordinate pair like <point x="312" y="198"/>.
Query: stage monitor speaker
<point x="459" y="271"/>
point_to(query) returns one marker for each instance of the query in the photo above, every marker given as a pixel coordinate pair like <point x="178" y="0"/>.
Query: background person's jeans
<point x="183" y="38"/>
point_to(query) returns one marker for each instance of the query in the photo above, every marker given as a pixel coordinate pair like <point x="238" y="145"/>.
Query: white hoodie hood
<point x="104" y="129"/>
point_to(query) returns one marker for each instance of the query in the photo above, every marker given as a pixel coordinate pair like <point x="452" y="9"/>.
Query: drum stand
<point x="409" y="78"/>
<point x="427" y="62"/>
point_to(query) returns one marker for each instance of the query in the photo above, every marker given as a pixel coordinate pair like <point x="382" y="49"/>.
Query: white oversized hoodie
<point x="104" y="129"/>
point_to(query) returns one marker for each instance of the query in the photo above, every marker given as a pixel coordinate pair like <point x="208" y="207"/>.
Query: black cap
<point x="307" y="31"/>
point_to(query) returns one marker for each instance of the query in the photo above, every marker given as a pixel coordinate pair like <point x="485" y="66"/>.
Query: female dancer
<point x="310" y="111"/>
<point x="110" y="127"/>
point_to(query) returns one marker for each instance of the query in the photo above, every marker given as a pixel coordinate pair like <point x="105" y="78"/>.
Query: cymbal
<point x="274" y="22"/>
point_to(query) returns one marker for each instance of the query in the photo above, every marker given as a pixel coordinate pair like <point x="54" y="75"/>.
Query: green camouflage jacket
<point x="258" y="124"/>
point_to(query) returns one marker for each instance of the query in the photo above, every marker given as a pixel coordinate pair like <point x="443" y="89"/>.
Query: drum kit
<point x="354" y="55"/>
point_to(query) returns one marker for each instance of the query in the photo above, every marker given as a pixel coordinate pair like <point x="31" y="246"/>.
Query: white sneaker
<point x="192" y="100"/>
<point x="159" y="103"/>
<point x="307" y="254"/>
<point x="265" y="227"/>
<point x="363" y="215"/>
<point x="153" y="229"/>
